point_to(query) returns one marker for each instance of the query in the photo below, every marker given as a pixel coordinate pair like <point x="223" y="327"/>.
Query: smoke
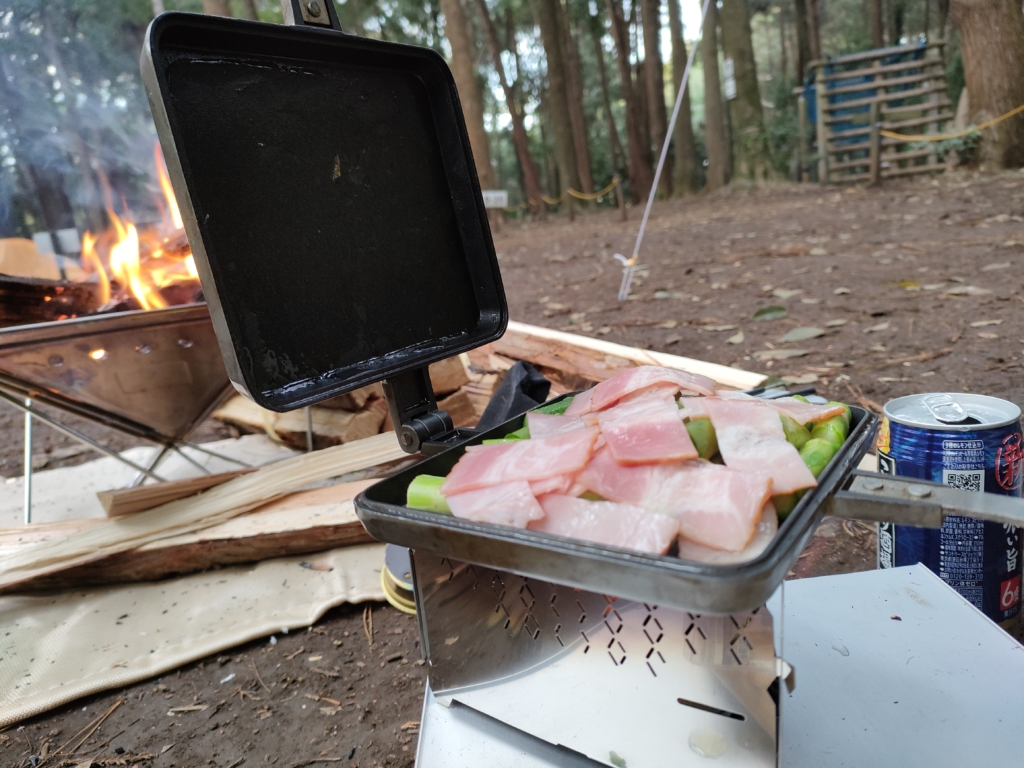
<point x="72" y="111"/>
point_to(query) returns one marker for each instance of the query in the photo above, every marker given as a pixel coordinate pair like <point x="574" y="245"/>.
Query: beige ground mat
<point x="57" y="648"/>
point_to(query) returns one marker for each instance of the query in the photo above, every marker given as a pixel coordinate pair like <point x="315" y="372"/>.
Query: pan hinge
<point x="312" y="13"/>
<point x="420" y="426"/>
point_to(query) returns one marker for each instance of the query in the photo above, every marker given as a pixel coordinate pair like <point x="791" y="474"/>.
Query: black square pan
<point x="330" y="198"/>
<point x="661" y="580"/>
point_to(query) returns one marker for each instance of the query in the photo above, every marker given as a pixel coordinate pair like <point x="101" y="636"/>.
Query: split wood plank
<point x="300" y="523"/>
<point x="448" y="375"/>
<point x="231" y="499"/>
<point x="125" y="501"/>
<point x="598" y="360"/>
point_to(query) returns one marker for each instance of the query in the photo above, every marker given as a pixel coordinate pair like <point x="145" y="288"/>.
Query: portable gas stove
<point x="329" y="195"/>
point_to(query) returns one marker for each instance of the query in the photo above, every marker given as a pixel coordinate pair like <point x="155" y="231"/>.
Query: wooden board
<point x="125" y="501"/>
<point x="300" y="523"/>
<point x="231" y="499"/>
<point x="448" y="375"/>
<point x="598" y="360"/>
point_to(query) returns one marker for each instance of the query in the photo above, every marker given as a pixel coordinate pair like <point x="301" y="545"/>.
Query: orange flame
<point x="141" y="263"/>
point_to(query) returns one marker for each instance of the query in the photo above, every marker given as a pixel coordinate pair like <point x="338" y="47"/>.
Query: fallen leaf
<point x="735" y="338"/>
<point x="673" y="339"/>
<point x="314" y="658"/>
<point x="556" y="307"/>
<point x="167" y="747"/>
<point x="719" y="327"/>
<point x="806" y="378"/>
<point x="983" y="323"/>
<point x="806" y="300"/>
<point x="876" y="328"/>
<point x="329" y="710"/>
<point x="319" y="566"/>
<point x="890" y="379"/>
<point x="835" y="323"/>
<point x="909" y="285"/>
<point x="802" y="334"/>
<point x="994" y="267"/>
<point x="841" y="291"/>
<point x="878" y="348"/>
<point x="968" y="290"/>
<point x="988" y="335"/>
<point x="770" y="313"/>
<point x="780" y="354"/>
<point x="670" y="295"/>
<point x="786" y="293"/>
<point x="933" y="286"/>
<point x="604" y="330"/>
<point x="819" y="251"/>
<point x="668" y="324"/>
<point x="84" y="764"/>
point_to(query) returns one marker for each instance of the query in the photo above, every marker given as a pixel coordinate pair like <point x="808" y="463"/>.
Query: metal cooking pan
<point x="668" y="581"/>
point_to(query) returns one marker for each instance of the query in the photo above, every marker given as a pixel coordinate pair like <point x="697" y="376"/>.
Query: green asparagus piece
<point x="703" y="435"/>
<point x="556" y="409"/>
<point x="834" y="430"/>
<point x="523" y="433"/>
<point x="500" y="441"/>
<point x="796" y="433"/>
<point x="801" y="398"/>
<point x="817" y="453"/>
<point x="424" y="493"/>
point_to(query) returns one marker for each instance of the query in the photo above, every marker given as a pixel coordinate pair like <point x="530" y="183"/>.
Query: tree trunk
<point x="992" y="45"/>
<point x="217" y="7"/>
<point x="247" y="10"/>
<point x="715" y="137"/>
<point x="619" y="160"/>
<point x="531" y="177"/>
<point x="574" y="86"/>
<point x="654" y="78"/>
<point x="684" y="176"/>
<point x="464" y="57"/>
<point x="750" y="144"/>
<point x="813" y="29"/>
<point x="943" y="18"/>
<point x="877" y="24"/>
<point x="783" y="47"/>
<point x="803" y="39"/>
<point x="897" y="18"/>
<point x="546" y="14"/>
<point x="640" y="175"/>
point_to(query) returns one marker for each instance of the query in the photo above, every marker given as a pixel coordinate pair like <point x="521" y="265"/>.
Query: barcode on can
<point x="964" y="481"/>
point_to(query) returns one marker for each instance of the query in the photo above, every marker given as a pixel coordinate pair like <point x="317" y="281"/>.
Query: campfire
<point x="127" y="266"/>
<point x="148" y="269"/>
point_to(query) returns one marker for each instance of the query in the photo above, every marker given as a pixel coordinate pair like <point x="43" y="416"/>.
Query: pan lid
<point x="329" y="194"/>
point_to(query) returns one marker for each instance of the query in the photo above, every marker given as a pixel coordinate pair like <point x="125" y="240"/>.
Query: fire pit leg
<point x="190" y="460"/>
<point x="140" y="476"/>
<point x="28" y="464"/>
<point x="215" y="455"/>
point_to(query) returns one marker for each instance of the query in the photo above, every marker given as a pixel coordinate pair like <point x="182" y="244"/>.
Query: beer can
<point x="973" y="443"/>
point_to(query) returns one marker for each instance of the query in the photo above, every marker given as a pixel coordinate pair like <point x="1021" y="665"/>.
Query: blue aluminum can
<point x="970" y="442"/>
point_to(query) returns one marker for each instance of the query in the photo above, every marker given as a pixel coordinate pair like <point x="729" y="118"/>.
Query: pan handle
<point x="907" y="501"/>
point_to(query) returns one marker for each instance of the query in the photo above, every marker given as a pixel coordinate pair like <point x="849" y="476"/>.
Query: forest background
<point x="557" y="94"/>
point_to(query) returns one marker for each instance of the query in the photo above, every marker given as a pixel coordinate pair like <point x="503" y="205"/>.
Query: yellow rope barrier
<point x="578" y="195"/>
<point x="958" y="134"/>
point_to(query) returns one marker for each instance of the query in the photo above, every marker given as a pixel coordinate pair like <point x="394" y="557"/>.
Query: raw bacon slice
<point x="751" y="438"/>
<point x="646" y="430"/>
<point x="507" y="504"/>
<point x="580" y="403"/>
<point x="484" y="465"/>
<point x="798" y="410"/>
<point x="609" y="392"/>
<point x="693" y="408"/>
<point x="605" y="522"/>
<point x="548" y="424"/>
<point x="763" y="535"/>
<point x="557" y="484"/>
<point x="714" y="505"/>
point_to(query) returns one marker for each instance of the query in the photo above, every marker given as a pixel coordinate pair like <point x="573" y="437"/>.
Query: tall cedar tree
<point x="684" y="176"/>
<point x="803" y="39"/>
<point x="217" y="7"/>
<point x="557" y="102"/>
<point x="752" y="158"/>
<point x="715" y="137"/>
<point x="574" y="86"/>
<point x="527" y="165"/>
<point x="464" y="57"/>
<point x="247" y="10"/>
<point x="618" y="155"/>
<point x="992" y="45"/>
<point x="877" y="21"/>
<point x="640" y="173"/>
<point x="654" y="80"/>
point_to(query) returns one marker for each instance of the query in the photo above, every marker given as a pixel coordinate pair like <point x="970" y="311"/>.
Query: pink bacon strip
<point x="751" y="439"/>
<point x="506" y="504"/>
<point x="646" y="430"/>
<point x="605" y="522"/>
<point x="485" y="465"/>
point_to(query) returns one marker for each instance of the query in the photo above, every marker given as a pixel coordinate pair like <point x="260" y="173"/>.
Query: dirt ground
<point x="915" y="285"/>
